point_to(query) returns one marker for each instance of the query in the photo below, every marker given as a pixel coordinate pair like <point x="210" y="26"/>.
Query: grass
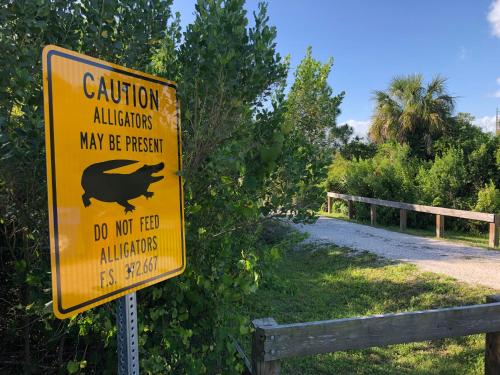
<point x="318" y="282"/>
<point x="449" y="235"/>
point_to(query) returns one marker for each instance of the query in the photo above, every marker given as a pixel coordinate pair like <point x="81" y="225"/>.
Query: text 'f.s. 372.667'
<point x="113" y="174"/>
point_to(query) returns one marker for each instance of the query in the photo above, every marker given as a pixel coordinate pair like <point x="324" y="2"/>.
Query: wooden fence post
<point x="373" y="214"/>
<point x="403" y="216"/>
<point x="494" y="232"/>
<point x="259" y="366"/>
<point x="350" y="207"/>
<point x="439" y="226"/>
<point x="329" y="204"/>
<point x="492" y="350"/>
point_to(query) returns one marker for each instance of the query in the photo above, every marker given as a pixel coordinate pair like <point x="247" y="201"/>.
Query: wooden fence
<point x="272" y="342"/>
<point x="440" y="212"/>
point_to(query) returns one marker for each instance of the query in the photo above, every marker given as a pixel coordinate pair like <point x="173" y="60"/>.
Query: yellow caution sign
<point x="113" y="173"/>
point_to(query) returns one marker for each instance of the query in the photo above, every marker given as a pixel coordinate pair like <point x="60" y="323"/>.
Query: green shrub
<point x="443" y="183"/>
<point x="393" y="173"/>
<point x="462" y="171"/>
<point x="119" y="31"/>
<point x="337" y="174"/>
<point x="308" y="118"/>
<point x="488" y="199"/>
<point x="388" y="175"/>
<point x="227" y="70"/>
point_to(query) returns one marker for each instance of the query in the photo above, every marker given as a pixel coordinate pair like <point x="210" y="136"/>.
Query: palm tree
<point x="407" y="112"/>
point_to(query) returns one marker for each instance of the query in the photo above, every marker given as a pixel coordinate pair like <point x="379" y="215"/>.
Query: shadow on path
<point x="465" y="263"/>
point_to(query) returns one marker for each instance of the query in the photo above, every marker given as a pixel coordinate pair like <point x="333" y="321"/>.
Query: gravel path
<point x="466" y="263"/>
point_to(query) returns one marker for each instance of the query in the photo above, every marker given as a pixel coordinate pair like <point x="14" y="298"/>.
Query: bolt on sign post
<point x="113" y="173"/>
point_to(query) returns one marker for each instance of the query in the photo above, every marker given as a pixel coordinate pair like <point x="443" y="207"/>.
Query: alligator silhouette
<point x="116" y="187"/>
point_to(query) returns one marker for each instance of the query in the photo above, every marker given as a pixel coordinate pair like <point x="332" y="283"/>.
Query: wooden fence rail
<point x="440" y="212"/>
<point x="272" y="342"/>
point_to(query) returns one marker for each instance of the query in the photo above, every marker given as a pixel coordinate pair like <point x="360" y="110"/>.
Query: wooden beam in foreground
<point x="492" y="352"/>
<point x="276" y="342"/>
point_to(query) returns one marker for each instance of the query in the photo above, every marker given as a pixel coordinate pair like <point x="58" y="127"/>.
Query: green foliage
<point x="311" y="108"/>
<point x="488" y="199"/>
<point x="478" y="149"/>
<point x="463" y="174"/>
<point x="454" y="158"/>
<point x="226" y="70"/>
<point x="409" y="112"/>
<point x="321" y="282"/>
<point x="443" y="183"/>
<point x="250" y="152"/>
<point x="497" y="155"/>
<point x="234" y="142"/>
<point x="388" y="175"/>
<point x="308" y="126"/>
<point x="358" y="148"/>
<point x="392" y="173"/>
<point x="244" y="160"/>
<point x="124" y="32"/>
<point x="464" y="165"/>
<point x="463" y="133"/>
<point x="337" y="174"/>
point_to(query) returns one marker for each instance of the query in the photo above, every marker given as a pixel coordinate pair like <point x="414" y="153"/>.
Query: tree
<point x="443" y="184"/>
<point x="227" y="68"/>
<point x="121" y="31"/>
<point x="478" y="150"/>
<point x="409" y="112"/>
<point x="309" y="124"/>
<point x="488" y="198"/>
<point x="352" y="147"/>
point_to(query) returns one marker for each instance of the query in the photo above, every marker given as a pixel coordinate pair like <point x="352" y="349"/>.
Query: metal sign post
<point x="126" y="320"/>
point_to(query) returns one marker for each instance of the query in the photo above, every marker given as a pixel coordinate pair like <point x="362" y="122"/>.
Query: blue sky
<point x="372" y="41"/>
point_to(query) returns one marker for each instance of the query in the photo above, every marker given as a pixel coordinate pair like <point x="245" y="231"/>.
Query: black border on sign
<point x="53" y="181"/>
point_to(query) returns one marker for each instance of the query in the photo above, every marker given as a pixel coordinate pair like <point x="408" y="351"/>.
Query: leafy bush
<point x="233" y="153"/>
<point x="421" y="153"/>
<point x="393" y="173"/>
<point x="308" y="117"/>
<point x="388" y="175"/>
<point x="443" y="183"/>
<point x="337" y="174"/>
<point x="116" y="31"/>
<point x="488" y="199"/>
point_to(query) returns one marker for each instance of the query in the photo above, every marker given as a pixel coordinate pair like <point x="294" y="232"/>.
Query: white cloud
<point x="494" y="18"/>
<point x="496" y="94"/>
<point x="360" y="127"/>
<point x="463" y="53"/>
<point x="487" y="123"/>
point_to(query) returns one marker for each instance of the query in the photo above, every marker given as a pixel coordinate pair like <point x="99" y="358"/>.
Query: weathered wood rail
<point x="272" y="342"/>
<point x="440" y="212"/>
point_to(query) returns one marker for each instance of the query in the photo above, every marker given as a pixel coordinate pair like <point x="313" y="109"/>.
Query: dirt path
<point x="465" y="263"/>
